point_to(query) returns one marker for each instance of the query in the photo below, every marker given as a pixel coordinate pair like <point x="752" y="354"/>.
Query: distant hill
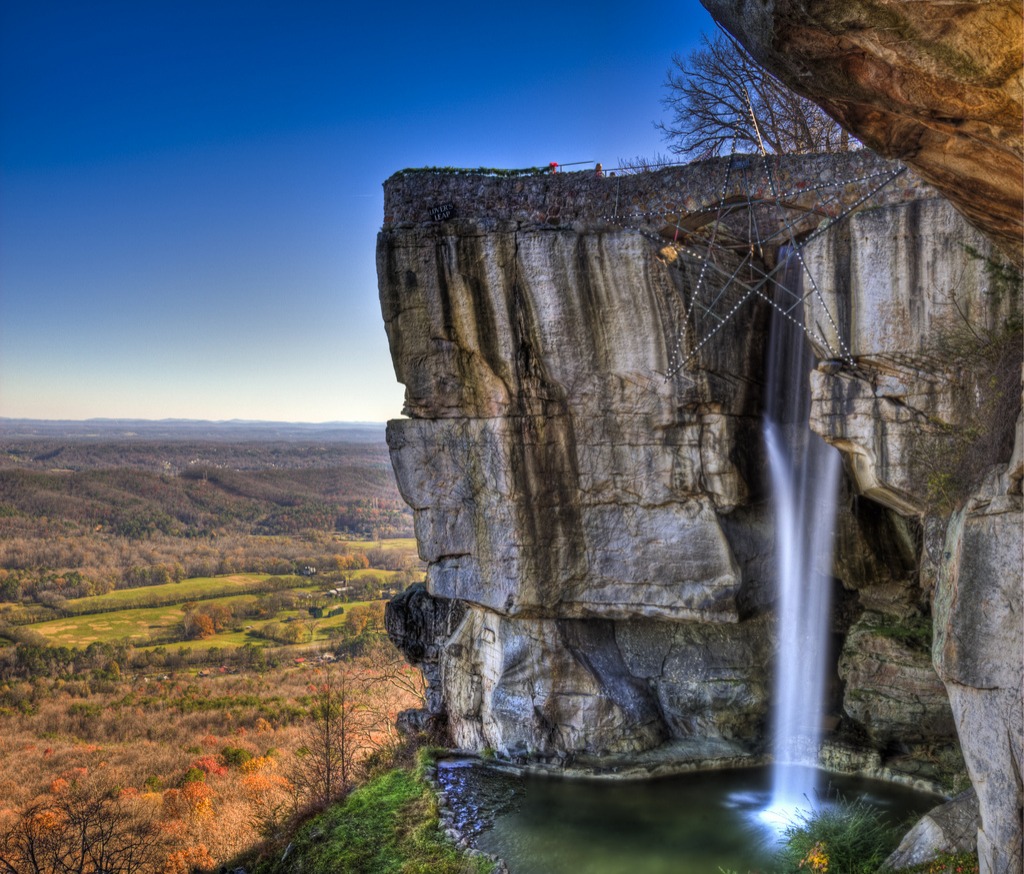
<point x="233" y="431"/>
<point x="185" y="478"/>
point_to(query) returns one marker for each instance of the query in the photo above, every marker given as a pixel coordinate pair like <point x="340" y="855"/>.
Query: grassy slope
<point x="388" y="826"/>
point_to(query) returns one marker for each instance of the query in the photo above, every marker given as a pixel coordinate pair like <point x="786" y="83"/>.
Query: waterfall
<point x="804" y="474"/>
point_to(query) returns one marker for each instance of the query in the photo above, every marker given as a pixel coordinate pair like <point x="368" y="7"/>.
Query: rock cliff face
<point x="978" y="652"/>
<point x="597" y="534"/>
<point x="936" y="84"/>
<point x="928" y="421"/>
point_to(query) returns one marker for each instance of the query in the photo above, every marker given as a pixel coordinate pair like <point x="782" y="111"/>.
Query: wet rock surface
<point x="478" y="796"/>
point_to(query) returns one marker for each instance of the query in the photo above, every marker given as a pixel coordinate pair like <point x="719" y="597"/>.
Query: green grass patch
<point x="224" y="640"/>
<point x="361" y="574"/>
<point x="193" y="589"/>
<point x="846" y="838"/>
<point x="388" y="826"/>
<point x="946" y="863"/>
<point x="396" y="544"/>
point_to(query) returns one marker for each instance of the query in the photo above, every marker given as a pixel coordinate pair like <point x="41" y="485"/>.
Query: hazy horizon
<point x="190" y="192"/>
<point x="103" y="430"/>
<point x="171" y="419"/>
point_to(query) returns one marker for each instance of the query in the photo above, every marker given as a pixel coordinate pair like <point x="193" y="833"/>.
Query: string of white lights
<point x="706" y="234"/>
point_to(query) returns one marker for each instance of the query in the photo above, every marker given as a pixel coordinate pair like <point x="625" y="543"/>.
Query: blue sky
<point x="190" y="192"/>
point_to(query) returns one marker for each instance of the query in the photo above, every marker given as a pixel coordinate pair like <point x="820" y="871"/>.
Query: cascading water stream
<point x="804" y="473"/>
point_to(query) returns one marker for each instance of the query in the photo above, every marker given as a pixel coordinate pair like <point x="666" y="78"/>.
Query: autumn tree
<point x="204" y="621"/>
<point x="351" y="720"/>
<point x="197" y="625"/>
<point x="84" y="828"/>
<point x="357" y="621"/>
<point x="716" y="93"/>
<point x="334" y="735"/>
<point x="351" y="561"/>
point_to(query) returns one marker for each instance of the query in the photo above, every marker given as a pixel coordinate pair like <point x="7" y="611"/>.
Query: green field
<point x="197" y="588"/>
<point x="405" y="545"/>
<point x="233" y="639"/>
<point x="134" y="624"/>
<point x="110" y="618"/>
<point x="150" y="616"/>
<point x="207" y="590"/>
<point x="139" y="626"/>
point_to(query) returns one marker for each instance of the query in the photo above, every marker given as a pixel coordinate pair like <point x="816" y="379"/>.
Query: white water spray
<point x="804" y="474"/>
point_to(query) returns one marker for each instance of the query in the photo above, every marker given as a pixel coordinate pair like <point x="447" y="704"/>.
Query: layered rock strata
<point x="595" y="530"/>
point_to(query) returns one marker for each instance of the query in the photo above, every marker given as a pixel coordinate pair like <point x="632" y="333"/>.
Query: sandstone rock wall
<point x="937" y="85"/>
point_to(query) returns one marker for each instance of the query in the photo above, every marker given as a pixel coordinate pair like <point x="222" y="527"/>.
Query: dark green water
<point x="697" y="823"/>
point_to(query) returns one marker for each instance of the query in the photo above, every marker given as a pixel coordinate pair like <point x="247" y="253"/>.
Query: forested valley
<point x="192" y="651"/>
<point x="82" y="518"/>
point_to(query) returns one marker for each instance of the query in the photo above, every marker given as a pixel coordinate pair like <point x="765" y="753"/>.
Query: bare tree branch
<point x="718" y="91"/>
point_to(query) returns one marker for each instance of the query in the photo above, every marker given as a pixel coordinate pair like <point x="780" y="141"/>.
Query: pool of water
<point x="698" y="822"/>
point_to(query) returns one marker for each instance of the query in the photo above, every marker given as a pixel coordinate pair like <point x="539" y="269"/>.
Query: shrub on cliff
<point x="983" y="367"/>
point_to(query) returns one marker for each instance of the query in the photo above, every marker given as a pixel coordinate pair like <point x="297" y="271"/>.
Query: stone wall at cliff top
<point x="602" y="528"/>
<point x="583" y="199"/>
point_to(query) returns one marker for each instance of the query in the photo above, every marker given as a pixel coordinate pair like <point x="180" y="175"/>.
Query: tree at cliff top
<point x="719" y="90"/>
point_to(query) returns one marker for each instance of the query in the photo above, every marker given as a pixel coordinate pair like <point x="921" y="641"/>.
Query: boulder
<point x="949" y="828"/>
<point x="890" y="686"/>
